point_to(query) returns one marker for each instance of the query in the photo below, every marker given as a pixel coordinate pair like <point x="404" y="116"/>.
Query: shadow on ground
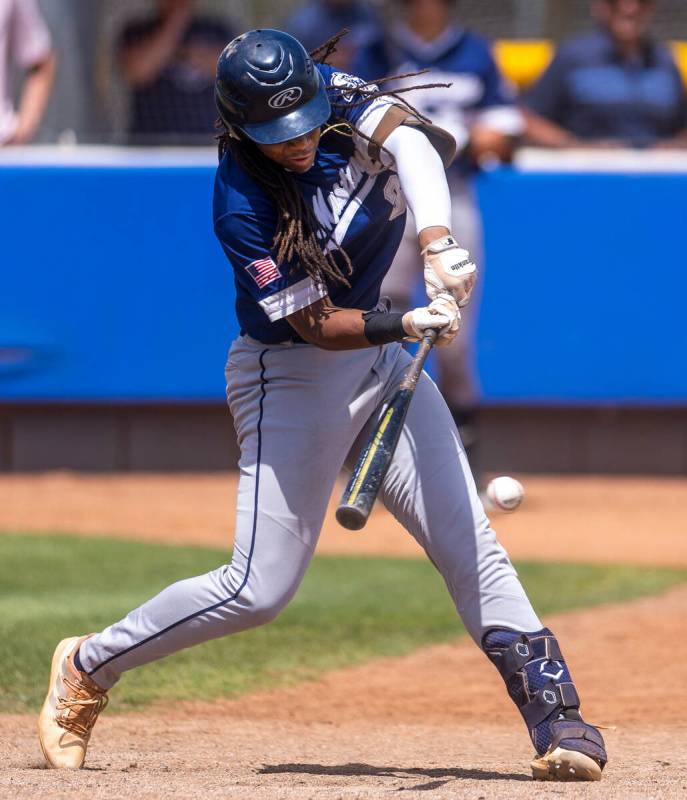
<point x="394" y="772"/>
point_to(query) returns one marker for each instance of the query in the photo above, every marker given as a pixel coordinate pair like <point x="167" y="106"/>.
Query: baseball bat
<point x="373" y="462"/>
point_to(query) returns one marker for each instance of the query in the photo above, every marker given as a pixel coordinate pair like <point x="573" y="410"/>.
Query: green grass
<point x="348" y="610"/>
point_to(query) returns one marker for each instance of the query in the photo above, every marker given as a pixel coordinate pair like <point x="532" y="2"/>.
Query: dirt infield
<point x="593" y="519"/>
<point x="383" y="728"/>
<point x="434" y="724"/>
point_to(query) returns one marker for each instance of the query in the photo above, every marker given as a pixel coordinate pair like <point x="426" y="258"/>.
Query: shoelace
<point x="82" y="707"/>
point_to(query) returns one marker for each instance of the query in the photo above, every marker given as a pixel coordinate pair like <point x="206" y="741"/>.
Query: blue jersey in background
<point x="594" y="93"/>
<point x="476" y="91"/>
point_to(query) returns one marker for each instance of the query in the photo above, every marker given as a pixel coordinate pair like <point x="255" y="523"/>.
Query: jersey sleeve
<point x="385" y="118"/>
<point x="375" y="118"/>
<point x="277" y="288"/>
<point x="29" y="37"/>
<point x="348" y="94"/>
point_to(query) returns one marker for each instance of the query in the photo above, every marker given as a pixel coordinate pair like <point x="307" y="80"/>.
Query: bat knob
<point x="350" y="517"/>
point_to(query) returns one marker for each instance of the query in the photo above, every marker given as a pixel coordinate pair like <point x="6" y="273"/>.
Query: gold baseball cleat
<point x="565" y="765"/>
<point x="70" y="709"/>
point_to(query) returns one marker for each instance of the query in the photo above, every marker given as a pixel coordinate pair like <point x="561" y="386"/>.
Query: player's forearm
<point x="422" y="178"/>
<point x="678" y="142"/>
<point x="448" y="267"/>
<point x="34" y="99"/>
<point x="487" y="146"/>
<point x="142" y="61"/>
<point x="330" y="327"/>
<point x="429" y="235"/>
<point x="544" y="133"/>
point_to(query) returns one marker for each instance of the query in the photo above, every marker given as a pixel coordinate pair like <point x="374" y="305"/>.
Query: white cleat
<point x="70" y="709"/>
<point x="565" y="765"/>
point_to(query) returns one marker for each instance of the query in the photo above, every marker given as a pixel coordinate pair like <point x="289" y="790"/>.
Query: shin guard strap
<point x="526" y="649"/>
<point x="551" y="698"/>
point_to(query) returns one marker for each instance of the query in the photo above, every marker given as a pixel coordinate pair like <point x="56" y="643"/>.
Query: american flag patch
<point x="263" y="271"/>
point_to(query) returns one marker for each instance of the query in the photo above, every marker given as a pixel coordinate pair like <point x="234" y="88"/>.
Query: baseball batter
<point x="310" y="203"/>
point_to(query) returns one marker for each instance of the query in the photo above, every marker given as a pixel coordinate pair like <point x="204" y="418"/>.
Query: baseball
<point x="505" y="493"/>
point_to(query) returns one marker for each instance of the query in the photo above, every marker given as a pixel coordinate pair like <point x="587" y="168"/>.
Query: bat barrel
<point x="373" y="463"/>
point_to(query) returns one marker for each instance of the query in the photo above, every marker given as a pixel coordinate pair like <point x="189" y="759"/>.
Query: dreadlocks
<point x="297" y="231"/>
<point x="299" y="237"/>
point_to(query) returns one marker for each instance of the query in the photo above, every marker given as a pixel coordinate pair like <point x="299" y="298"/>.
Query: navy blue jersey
<point x="357" y="201"/>
<point x="477" y="92"/>
<point x="592" y="92"/>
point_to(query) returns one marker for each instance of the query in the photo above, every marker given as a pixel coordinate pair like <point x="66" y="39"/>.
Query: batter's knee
<point x="264" y="609"/>
<point x="257" y="598"/>
<point x="247" y="611"/>
<point x="259" y="603"/>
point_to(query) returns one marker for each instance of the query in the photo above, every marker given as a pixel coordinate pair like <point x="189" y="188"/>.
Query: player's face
<point x="297" y="155"/>
<point x="627" y="20"/>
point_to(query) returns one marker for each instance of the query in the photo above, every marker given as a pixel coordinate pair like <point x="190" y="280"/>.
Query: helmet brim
<point x="295" y="123"/>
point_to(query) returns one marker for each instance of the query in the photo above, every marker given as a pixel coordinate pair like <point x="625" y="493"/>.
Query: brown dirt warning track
<point x="434" y="724"/>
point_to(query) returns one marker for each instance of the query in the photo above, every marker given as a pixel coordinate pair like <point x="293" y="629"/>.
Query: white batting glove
<point x="448" y="267"/>
<point x="442" y="314"/>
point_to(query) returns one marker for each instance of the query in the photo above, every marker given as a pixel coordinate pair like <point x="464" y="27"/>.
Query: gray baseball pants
<point x="301" y="414"/>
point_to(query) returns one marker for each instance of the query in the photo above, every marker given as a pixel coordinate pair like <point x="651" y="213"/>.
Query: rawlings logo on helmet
<point x="286" y="98"/>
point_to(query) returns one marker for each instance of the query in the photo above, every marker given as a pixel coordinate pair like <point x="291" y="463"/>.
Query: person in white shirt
<point x="24" y="41"/>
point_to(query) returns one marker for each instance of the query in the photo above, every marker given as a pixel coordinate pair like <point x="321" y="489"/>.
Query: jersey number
<point x="394" y="195"/>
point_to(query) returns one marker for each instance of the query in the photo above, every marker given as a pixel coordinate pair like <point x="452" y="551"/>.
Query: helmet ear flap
<point x="228" y="128"/>
<point x="229" y="101"/>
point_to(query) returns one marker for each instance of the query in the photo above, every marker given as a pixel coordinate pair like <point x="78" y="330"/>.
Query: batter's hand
<point x="442" y="314"/>
<point x="448" y="267"/>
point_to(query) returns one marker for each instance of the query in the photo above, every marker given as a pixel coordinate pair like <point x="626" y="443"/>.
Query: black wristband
<point x="382" y="328"/>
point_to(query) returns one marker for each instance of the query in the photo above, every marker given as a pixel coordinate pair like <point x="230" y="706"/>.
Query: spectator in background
<point x="315" y="21"/>
<point x="477" y="108"/>
<point x="24" y="41"/>
<point x="614" y="86"/>
<point x="169" y="63"/>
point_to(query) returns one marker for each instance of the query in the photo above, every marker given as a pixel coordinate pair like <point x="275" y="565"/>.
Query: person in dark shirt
<point x="615" y="86"/>
<point x="169" y="63"/>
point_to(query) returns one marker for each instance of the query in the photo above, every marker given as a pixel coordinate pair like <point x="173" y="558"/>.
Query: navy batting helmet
<point x="268" y="87"/>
